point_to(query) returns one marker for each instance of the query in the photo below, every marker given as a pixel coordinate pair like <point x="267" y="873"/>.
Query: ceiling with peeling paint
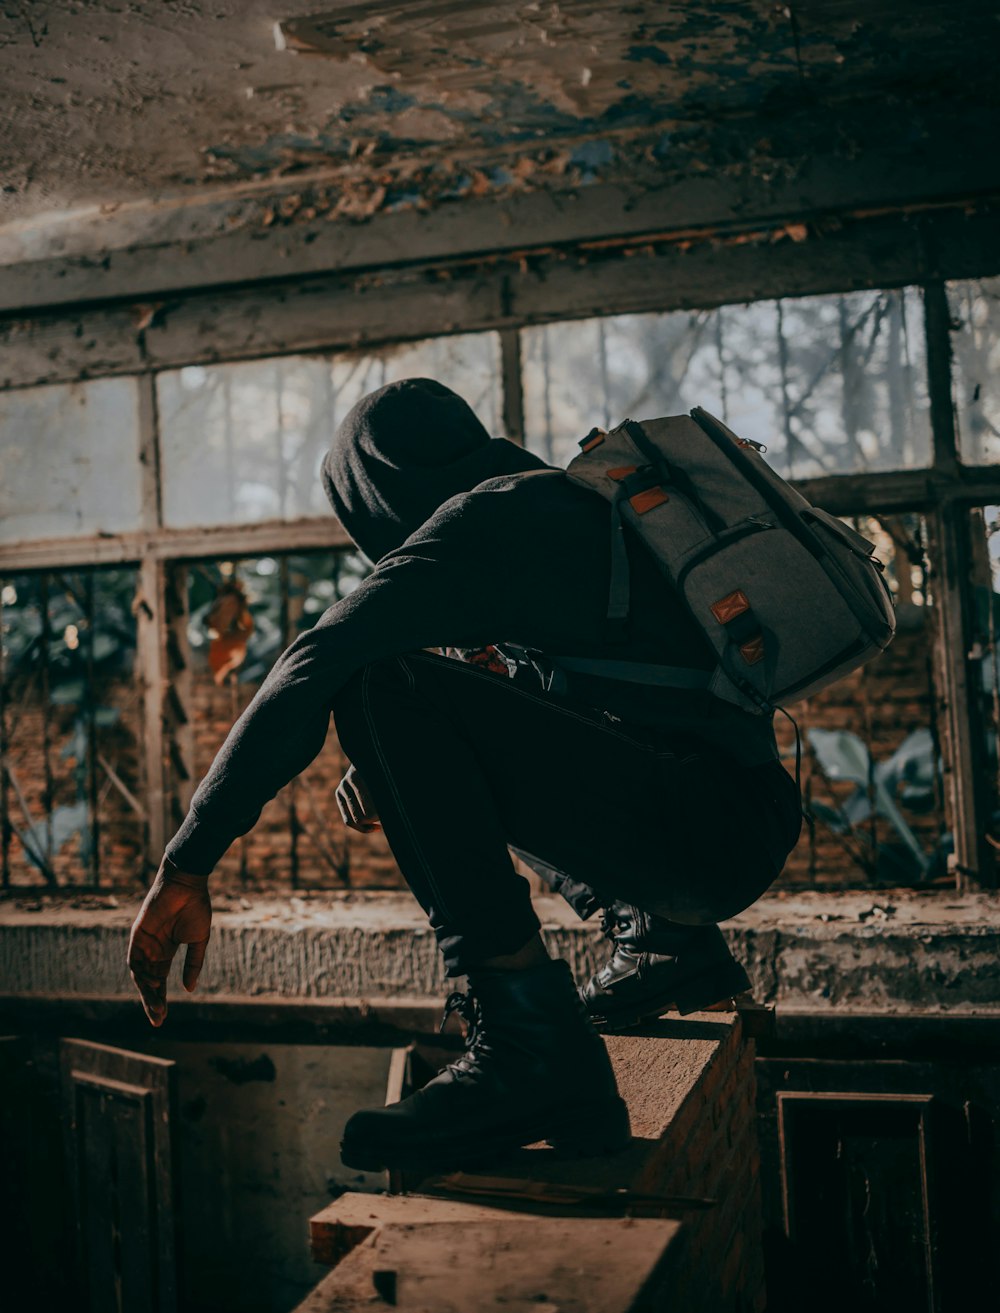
<point x="406" y="100"/>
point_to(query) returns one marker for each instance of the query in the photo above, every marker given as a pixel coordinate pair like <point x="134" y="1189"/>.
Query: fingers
<point x="345" y="815"/>
<point x="150" y="978"/>
<point x="356" y="808"/>
<point x="154" y="999"/>
<point x="367" y="810"/>
<point x="193" y="960"/>
<point x="347" y="801"/>
<point x="177" y="910"/>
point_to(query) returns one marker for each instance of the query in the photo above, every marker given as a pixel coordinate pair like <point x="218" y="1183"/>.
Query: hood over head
<point x="402" y="452"/>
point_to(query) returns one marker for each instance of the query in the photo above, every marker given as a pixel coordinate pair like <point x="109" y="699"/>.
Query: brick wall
<point x="882" y="703"/>
<point x="63" y="739"/>
<point x="300" y="841"/>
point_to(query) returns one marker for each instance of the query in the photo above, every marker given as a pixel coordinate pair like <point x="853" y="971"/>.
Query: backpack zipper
<point x="749" y="526"/>
<point x="788" y="517"/>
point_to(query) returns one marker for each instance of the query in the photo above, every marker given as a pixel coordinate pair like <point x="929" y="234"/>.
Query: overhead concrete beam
<point x="251" y="233"/>
<point x="352" y="311"/>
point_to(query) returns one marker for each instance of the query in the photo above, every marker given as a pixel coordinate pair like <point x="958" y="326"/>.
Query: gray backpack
<point x="789" y="597"/>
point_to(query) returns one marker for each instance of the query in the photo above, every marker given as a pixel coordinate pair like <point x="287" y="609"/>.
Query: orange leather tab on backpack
<point x="753" y="650"/>
<point x="620" y="471"/>
<point x="646" y="500"/>
<point x="729" y="607"/>
<point x="595" y="441"/>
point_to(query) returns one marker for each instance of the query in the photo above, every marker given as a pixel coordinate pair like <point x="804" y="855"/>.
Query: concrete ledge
<point x="885" y="951"/>
<point x="892" y="951"/>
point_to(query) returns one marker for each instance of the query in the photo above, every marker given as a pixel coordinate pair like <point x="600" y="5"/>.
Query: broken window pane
<point x="831" y="384"/>
<point x="69" y="460"/>
<point x="71" y="790"/>
<point x="975" y="342"/>
<point x="244" y="442"/>
<point x="872" y="767"/>
<point x="241" y="616"/>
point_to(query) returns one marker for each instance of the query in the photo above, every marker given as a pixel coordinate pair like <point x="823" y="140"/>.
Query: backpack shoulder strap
<point x="638" y="672"/>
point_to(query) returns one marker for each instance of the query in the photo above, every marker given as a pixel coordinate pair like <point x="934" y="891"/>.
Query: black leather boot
<point x="534" y="1069"/>
<point x="659" y="966"/>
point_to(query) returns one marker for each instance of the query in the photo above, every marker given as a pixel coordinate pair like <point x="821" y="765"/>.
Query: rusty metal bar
<point x="151" y="672"/>
<point x="178" y="729"/>
<point x="90" y="707"/>
<point x="5" y="830"/>
<point x="45" y="639"/>
<point x="286" y="627"/>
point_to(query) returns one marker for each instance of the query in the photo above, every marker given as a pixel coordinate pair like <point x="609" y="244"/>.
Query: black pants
<point x="462" y="763"/>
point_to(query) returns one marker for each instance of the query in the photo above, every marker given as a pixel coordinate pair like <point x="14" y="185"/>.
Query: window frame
<point x="338" y="313"/>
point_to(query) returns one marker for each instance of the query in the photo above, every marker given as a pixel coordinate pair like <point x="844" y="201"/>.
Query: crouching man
<point x="666" y="810"/>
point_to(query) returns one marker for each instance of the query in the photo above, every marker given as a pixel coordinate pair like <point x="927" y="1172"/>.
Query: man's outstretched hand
<point x="357" y="809"/>
<point x="177" y="911"/>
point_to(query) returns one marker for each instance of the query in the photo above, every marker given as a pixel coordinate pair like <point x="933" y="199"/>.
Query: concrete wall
<point x="259" y="1150"/>
<point x="256" y="1135"/>
<point x="860" y="951"/>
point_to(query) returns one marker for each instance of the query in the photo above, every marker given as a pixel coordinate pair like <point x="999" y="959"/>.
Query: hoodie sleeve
<point x="441" y="588"/>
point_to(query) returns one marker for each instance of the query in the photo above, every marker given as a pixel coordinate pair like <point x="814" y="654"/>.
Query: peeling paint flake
<point x="414" y="103"/>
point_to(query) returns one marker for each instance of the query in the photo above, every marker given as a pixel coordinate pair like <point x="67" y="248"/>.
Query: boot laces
<point x="611" y="923"/>
<point x="468" y="1008"/>
<point x="477" y="1048"/>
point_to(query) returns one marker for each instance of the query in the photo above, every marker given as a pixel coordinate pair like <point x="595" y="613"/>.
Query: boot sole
<point x="704" y="992"/>
<point x="587" y="1131"/>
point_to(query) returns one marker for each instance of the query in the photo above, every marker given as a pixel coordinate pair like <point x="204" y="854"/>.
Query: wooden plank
<point x="951" y="559"/>
<point x="950" y="554"/>
<point x="263" y="538"/>
<point x="154" y="248"/>
<point x="346" y="1223"/>
<point x="842" y="494"/>
<point x="695" y="269"/>
<point x="118" y="1111"/>
<point x="578" y="1265"/>
<point x="151" y="629"/>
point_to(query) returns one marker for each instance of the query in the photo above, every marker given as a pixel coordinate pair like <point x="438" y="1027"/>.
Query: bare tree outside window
<point x="831" y="384"/>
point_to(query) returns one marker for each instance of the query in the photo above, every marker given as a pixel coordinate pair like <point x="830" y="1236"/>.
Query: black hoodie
<point x="467" y="552"/>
